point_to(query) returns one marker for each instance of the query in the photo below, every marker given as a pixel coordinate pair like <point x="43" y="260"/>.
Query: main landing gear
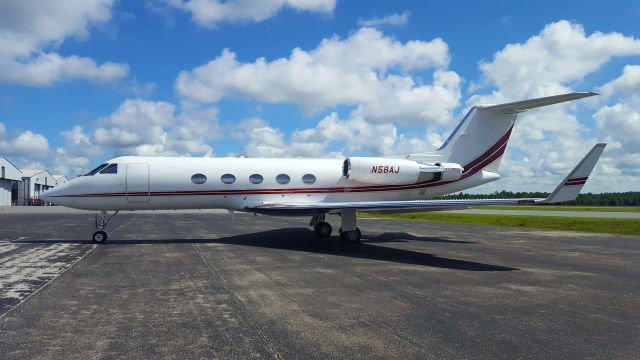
<point x="349" y="232"/>
<point x="102" y="221"/>
<point x="322" y="228"/>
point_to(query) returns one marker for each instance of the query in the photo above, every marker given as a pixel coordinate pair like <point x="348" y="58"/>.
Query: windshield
<point x="94" y="171"/>
<point x="111" y="169"/>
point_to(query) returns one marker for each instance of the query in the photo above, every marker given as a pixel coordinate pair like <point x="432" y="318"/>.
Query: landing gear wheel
<point x="99" y="237"/>
<point x="352" y="236"/>
<point x="323" y="229"/>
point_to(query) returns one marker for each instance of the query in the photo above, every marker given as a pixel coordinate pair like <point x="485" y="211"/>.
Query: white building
<point x="34" y="182"/>
<point x="60" y="179"/>
<point x="10" y="176"/>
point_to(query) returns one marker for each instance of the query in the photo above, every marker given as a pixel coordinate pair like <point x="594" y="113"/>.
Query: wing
<point x="567" y="190"/>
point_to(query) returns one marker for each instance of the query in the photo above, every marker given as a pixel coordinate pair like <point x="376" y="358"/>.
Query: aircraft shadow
<point x="404" y="237"/>
<point x="302" y="239"/>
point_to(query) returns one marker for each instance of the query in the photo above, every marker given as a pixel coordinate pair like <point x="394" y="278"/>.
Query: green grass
<point x="560" y="208"/>
<point x="593" y="225"/>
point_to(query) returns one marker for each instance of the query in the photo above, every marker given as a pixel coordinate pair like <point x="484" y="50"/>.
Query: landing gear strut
<point x="349" y="232"/>
<point x="320" y="226"/>
<point x="102" y="221"/>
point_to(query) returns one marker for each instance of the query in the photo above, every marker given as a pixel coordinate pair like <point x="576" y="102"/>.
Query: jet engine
<point x="385" y="171"/>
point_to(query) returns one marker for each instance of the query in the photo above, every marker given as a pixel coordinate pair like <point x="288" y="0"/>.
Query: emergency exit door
<point x="137" y="185"/>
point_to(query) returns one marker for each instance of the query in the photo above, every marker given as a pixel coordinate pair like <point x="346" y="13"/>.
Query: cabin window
<point x="95" y="171"/>
<point x="199" y="179"/>
<point x="283" y="179"/>
<point x="256" y="178"/>
<point x="111" y="169"/>
<point x="228" y="179"/>
<point x="308" y="179"/>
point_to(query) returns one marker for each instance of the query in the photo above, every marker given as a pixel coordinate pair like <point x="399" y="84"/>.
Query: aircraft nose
<point x="54" y="195"/>
<point x="49" y="195"/>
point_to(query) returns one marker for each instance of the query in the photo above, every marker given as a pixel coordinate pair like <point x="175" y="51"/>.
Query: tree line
<point x="631" y="198"/>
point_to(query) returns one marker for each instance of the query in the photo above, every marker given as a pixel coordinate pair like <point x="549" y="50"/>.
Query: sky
<point x="82" y="81"/>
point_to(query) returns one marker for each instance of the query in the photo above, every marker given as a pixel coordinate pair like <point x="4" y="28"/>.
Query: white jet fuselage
<point x="316" y="187"/>
<point x="176" y="183"/>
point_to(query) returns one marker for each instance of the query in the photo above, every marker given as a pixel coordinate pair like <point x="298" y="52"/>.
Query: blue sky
<point x="102" y="78"/>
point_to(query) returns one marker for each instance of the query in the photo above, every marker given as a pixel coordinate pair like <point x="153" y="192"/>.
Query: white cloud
<point x="74" y="158"/>
<point x="26" y="57"/>
<point x="209" y="13"/>
<point x="552" y="139"/>
<point x="627" y="86"/>
<point x="562" y="53"/>
<point x="392" y="19"/>
<point x="620" y="125"/>
<point x="143" y="127"/>
<point x="351" y="136"/>
<point x="192" y="129"/>
<point x="24" y="148"/>
<point x="355" y="71"/>
<point x="136" y="127"/>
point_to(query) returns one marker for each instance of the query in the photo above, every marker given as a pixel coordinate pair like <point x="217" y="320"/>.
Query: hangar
<point x="60" y="179"/>
<point x="10" y="176"/>
<point x="34" y="182"/>
<point x="23" y="187"/>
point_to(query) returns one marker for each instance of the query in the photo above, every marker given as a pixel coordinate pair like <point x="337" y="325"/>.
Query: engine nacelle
<point x="443" y="171"/>
<point x="384" y="171"/>
<point x="381" y="171"/>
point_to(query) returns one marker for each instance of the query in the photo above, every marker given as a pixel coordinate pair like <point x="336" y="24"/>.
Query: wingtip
<point x="584" y="94"/>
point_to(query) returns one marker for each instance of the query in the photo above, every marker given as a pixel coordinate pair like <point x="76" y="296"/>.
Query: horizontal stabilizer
<point x="524" y="105"/>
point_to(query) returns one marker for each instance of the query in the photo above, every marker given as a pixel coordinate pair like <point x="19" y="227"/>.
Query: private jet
<point x="469" y="157"/>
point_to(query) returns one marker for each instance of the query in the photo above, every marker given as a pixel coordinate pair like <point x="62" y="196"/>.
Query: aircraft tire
<point x="352" y="237"/>
<point x="323" y="229"/>
<point x="99" y="237"/>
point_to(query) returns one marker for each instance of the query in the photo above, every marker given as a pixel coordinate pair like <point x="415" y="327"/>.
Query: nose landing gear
<point x="102" y="221"/>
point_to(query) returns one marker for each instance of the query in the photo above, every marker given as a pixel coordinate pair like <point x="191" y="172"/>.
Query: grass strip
<point x="592" y="225"/>
<point x="560" y="208"/>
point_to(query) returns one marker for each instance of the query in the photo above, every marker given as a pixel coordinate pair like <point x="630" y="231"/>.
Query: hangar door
<point x="137" y="186"/>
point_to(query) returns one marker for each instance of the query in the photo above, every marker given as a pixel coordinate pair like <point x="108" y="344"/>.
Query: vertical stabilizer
<point x="480" y="140"/>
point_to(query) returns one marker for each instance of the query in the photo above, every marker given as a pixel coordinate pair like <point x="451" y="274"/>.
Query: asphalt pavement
<point x="203" y="286"/>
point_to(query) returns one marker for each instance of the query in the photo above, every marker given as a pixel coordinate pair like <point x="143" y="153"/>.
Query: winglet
<point x="570" y="187"/>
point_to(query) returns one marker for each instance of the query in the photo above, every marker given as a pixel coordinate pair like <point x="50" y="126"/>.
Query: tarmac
<point x="198" y="285"/>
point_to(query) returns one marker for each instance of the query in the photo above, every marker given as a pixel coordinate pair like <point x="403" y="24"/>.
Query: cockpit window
<point x="95" y="171"/>
<point x="111" y="169"/>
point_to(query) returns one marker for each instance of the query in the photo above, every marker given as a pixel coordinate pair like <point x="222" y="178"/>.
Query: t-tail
<point x="480" y="140"/>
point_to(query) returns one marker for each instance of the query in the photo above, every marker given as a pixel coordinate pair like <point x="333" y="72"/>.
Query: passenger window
<point x="283" y="179"/>
<point x="256" y="178"/>
<point x="111" y="169"/>
<point x="95" y="171"/>
<point x="228" y="179"/>
<point x="199" y="179"/>
<point x="308" y="179"/>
